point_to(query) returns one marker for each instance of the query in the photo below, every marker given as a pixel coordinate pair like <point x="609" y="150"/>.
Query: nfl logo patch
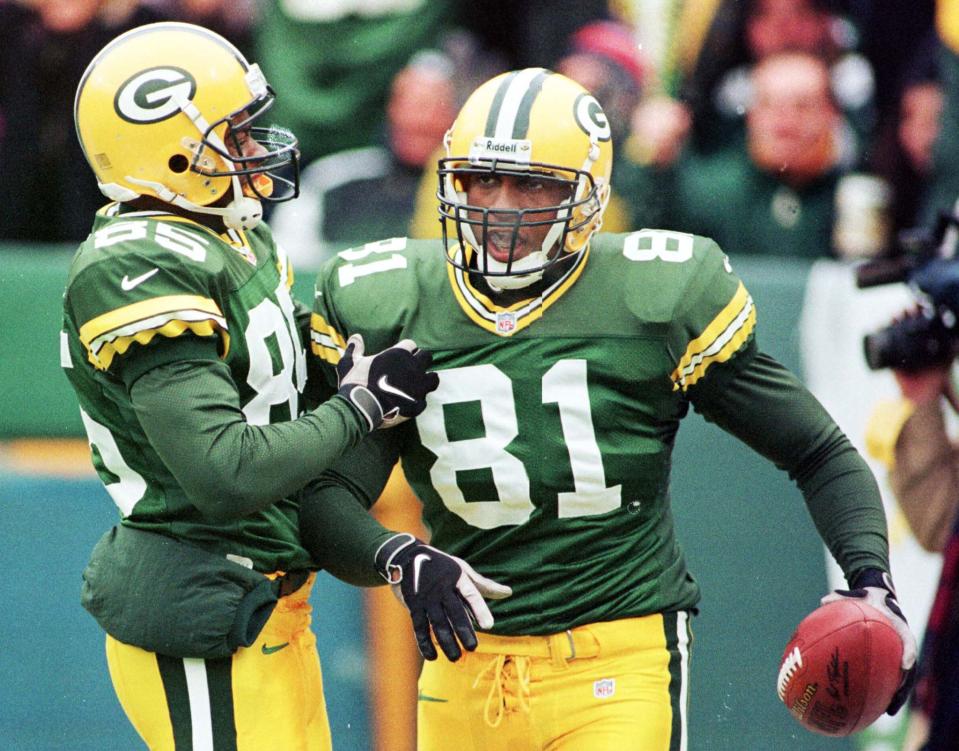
<point x="604" y="688"/>
<point x="505" y="322"/>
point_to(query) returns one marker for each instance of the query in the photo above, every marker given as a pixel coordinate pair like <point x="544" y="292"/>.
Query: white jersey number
<point x="565" y="385"/>
<point x="272" y="321"/>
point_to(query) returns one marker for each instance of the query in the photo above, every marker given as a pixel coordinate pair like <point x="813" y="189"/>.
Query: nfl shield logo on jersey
<point x="604" y="688"/>
<point x="505" y="322"/>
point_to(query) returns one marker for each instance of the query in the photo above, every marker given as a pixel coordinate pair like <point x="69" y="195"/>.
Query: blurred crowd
<point x="793" y="127"/>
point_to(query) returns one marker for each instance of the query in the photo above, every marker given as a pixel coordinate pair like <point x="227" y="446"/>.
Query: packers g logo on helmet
<point x="591" y="118"/>
<point x="154" y="95"/>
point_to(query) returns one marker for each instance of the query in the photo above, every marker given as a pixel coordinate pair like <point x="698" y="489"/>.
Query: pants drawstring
<point x="498" y="701"/>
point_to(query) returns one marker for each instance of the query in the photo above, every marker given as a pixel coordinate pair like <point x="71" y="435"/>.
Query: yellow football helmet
<point x="526" y="122"/>
<point x="155" y="111"/>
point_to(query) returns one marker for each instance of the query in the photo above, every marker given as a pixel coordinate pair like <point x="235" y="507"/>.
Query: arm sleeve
<point x="335" y="526"/>
<point x="766" y="407"/>
<point x="188" y="407"/>
<point x="925" y="476"/>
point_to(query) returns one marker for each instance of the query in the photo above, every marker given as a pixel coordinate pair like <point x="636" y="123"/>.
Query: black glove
<point x="441" y="592"/>
<point x="388" y="387"/>
<point x="875" y="587"/>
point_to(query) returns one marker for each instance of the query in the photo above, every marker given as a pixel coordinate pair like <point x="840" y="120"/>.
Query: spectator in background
<point x="46" y="191"/>
<point x="528" y="34"/>
<point x="604" y="58"/>
<point x="944" y="178"/>
<point x="232" y="19"/>
<point x="889" y="32"/>
<point x="713" y="99"/>
<point x="903" y="149"/>
<point x="352" y="195"/>
<point x="774" y="193"/>
<point x="335" y="62"/>
<point x="910" y="437"/>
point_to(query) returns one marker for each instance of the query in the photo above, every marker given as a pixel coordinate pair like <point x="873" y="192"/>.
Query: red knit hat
<point x="613" y="41"/>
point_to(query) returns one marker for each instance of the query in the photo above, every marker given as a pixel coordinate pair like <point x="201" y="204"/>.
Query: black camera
<point x="922" y="338"/>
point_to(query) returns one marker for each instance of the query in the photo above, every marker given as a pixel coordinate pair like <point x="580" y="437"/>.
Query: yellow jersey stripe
<point x="171" y="329"/>
<point x="140" y="321"/>
<point x="725" y="334"/>
<point x="325" y="341"/>
<point x="146" y="310"/>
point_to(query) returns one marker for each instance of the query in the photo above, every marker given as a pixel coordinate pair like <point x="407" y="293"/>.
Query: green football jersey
<point x="543" y="458"/>
<point x="141" y="275"/>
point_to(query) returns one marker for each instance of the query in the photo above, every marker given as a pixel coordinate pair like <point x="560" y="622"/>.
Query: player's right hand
<point x="442" y="593"/>
<point x="388" y="387"/>
<point x="875" y="587"/>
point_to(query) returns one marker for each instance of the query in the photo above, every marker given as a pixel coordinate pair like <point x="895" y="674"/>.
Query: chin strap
<point x="242" y="213"/>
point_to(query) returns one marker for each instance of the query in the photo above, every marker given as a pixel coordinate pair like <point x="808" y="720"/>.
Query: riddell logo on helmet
<point x="486" y="149"/>
<point x="154" y="94"/>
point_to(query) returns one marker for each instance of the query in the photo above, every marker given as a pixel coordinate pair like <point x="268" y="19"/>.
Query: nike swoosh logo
<point x="127" y="283"/>
<point x="417" y="565"/>
<point x="270" y="650"/>
<point x="423" y="697"/>
<point x="384" y="385"/>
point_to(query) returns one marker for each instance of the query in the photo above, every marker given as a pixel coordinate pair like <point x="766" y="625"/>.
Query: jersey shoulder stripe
<point x="113" y="332"/>
<point x="325" y="341"/>
<point x="720" y="340"/>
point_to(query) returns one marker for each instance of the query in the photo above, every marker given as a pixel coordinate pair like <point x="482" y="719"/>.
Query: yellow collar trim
<point x="482" y="310"/>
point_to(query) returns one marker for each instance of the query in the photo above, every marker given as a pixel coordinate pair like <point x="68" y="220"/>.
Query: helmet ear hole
<point x="178" y="163"/>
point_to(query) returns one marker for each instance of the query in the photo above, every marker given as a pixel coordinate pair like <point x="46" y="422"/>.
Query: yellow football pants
<point x="617" y="685"/>
<point x="267" y="697"/>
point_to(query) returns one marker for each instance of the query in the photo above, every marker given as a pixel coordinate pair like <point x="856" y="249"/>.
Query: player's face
<point x="241" y="143"/>
<point x="509" y="193"/>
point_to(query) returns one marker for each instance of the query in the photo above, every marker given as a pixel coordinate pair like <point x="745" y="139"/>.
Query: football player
<point x="187" y="354"/>
<point x="567" y="359"/>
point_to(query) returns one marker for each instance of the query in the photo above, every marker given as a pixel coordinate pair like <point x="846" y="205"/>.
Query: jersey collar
<point x="483" y="309"/>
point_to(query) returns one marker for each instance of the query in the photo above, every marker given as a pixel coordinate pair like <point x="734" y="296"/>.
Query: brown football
<point x="840" y="668"/>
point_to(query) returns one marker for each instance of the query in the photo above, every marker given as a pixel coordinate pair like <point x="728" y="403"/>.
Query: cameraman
<point x="910" y="436"/>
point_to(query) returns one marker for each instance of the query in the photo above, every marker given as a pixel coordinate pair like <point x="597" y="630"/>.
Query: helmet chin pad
<point x="243" y="213"/>
<point x="516" y="279"/>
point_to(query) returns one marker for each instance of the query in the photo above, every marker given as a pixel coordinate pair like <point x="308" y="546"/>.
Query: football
<point x="840" y="668"/>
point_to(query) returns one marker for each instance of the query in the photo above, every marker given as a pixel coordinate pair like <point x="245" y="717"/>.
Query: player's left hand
<point x="442" y="593"/>
<point x="875" y="587"/>
<point x="388" y="387"/>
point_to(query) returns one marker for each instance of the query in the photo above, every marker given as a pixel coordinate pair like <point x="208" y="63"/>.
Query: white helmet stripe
<point x="516" y="103"/>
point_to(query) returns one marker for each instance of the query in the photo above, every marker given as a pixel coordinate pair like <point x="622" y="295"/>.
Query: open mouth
<point x="498" y="245"/>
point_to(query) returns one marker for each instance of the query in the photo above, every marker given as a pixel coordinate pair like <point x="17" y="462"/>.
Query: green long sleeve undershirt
<point x="766" y="407"/>
<point x="188" y="407"/>
<point x="335" y="527"/>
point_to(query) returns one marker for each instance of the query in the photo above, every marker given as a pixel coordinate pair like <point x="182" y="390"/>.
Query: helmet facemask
<point x="477" y="225"/>
<point x="272" y="176"/>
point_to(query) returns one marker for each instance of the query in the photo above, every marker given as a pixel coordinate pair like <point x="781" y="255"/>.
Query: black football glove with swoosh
<point x="388" y="387"/>
<point x="875" y="587"/>
<point x="442" y="593"/>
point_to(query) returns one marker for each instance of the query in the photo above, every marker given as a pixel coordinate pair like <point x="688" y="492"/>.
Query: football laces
<point x="789" y="667"/>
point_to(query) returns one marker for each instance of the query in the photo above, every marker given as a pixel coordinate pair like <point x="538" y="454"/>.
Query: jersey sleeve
<point x="715" y="319"/>
<point x="140" y="289"/>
